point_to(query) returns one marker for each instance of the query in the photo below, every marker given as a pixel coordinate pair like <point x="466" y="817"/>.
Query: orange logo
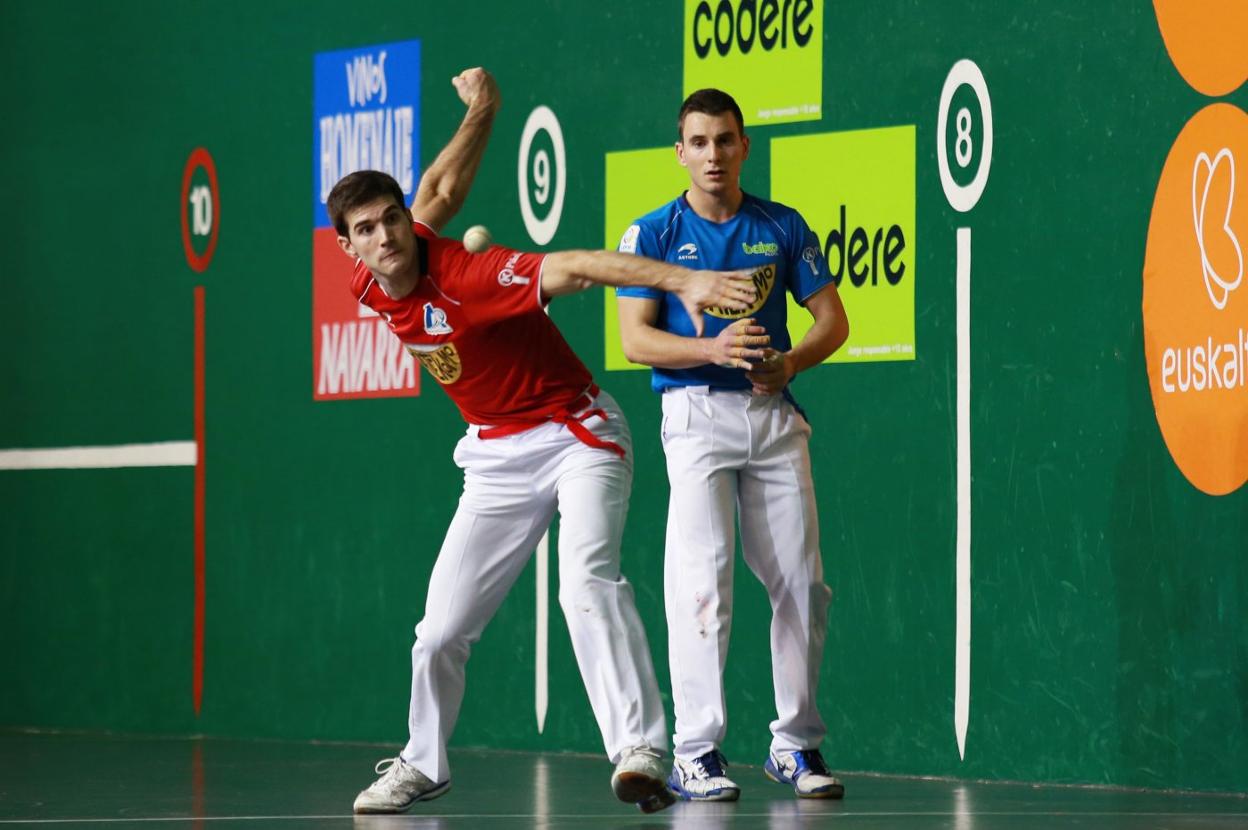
<point x="1196" y="300"/>
<point x="1206" y="40"/>
<point x="443" y="363"/>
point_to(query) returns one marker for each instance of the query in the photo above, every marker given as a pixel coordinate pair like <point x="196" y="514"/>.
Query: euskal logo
<point x="1195" y="303"/>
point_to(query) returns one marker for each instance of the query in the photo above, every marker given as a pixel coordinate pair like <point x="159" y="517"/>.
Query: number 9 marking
<point x="542" y="230"/>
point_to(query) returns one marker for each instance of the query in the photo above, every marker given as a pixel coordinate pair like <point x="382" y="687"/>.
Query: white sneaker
<point x="703" y="779"/>
<point x="806" y="772"/>
<point x="639" y="778"/>
<point x="400" y="786"/>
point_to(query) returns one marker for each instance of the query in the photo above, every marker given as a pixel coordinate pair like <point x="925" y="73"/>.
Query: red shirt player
<point x="541" y="439"/>
<point x="471" y="321"/>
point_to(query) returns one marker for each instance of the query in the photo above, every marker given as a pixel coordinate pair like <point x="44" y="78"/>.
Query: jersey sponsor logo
<point x="628" y="242"/>
<point x="508" y="276"/>
<point x="435" y="320"/>
<point x="687" y="251"/>
<point x="764" y="281"/>
<point x="761" y="249"/>
<point x="810" y="256"/>
<point x="443" y="362"/>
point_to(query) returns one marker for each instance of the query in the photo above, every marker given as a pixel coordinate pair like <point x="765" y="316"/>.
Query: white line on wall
<point x="962" y="659"/>
<point x="540" y="681"/>
<point x="158" y="454"/>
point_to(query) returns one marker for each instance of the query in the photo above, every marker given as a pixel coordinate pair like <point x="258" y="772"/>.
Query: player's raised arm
<point x="567" y="272"/>
<point x="446" y="182"/>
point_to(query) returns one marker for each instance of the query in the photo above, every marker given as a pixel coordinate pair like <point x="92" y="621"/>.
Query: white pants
<point x="732" y="451"/>
<point x="512" y="488"/>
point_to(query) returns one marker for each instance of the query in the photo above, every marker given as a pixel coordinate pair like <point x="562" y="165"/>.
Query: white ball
<point x="477" y="239"/>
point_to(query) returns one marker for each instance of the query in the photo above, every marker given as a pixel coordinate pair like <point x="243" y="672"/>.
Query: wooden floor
<point x="64" y="780"/>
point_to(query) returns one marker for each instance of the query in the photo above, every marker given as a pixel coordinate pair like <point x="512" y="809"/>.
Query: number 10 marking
<point x="201" y="210"/>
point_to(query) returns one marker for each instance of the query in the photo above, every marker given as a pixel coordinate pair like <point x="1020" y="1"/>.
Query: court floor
<point x="69" y="780"/>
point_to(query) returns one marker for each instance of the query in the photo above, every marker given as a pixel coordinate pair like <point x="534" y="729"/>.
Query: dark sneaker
<point x="703" y="779"/>
<point x="806" y="772"/>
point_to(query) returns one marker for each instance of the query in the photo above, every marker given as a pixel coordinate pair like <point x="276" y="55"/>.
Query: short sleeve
<point x="639" y="239"/>
<point x="808" y="265"/>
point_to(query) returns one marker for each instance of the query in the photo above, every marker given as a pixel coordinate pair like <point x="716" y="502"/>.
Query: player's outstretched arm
<point x="644" y="342"/>
<point x="829" y="333"/>
<point x="445" y="184"/>
<point x="567" y="272"/>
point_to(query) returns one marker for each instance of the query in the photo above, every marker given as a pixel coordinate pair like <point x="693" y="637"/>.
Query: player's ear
<point x="345" y="244"/>
<point x="680" y="153"/>
<point x="745" y="143"/>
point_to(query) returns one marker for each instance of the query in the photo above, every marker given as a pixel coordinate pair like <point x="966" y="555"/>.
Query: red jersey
<point x="478" y="325"/>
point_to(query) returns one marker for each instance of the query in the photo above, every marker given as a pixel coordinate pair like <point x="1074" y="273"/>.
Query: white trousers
<point x="730" y="451"/>
<point x="512" y="488"/>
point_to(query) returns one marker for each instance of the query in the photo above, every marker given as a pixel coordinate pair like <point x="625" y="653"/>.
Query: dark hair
<point x="710" y="102"/>
<point x="356" y="189"/>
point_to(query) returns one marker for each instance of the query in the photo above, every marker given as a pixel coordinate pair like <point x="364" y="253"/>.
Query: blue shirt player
<point x="736" y="442"/>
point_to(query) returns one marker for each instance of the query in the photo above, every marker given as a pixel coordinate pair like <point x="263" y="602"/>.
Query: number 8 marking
<point x="964" y="147"/>
<point x="963" y="198"/>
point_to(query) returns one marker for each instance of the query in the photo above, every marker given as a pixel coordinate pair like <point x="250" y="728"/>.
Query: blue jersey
<point x="767" y="237"/>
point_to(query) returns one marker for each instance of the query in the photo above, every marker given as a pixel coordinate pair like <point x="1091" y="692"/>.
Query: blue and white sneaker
<point x="806" y="772"/>
<point x="703" y="779"/>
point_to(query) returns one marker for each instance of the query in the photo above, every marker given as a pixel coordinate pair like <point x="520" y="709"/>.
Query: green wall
<point x="1110" y="641"/>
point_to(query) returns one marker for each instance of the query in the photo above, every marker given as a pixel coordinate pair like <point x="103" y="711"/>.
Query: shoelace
<point x="645" y="750"/>
<point x="387" y="767"/>
<point x="812" y="761"/>
<point x="711" y="764"/>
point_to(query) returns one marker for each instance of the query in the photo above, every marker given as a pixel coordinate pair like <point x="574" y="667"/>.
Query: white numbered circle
<point x="548" y="175"/>
<point x="964" y="197"/>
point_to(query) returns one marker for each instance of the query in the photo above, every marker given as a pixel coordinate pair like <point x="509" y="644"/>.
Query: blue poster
<point x="366" y="116"/>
